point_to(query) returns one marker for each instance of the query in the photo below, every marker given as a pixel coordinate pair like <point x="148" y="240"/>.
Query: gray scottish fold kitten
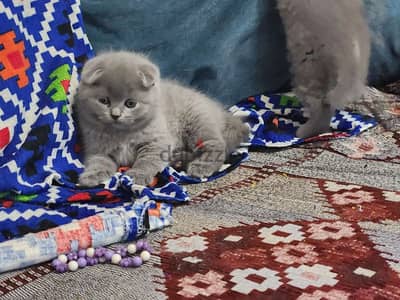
<point x="128" y="116"/>
<point x="328" y="46"/>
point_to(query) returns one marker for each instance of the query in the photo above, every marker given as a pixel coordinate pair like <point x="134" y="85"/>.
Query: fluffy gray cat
<point x="128" y="116"/>
<point x="328" y="48"/>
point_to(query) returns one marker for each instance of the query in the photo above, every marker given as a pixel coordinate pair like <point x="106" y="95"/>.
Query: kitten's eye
<point x="130" y="103"/>
<point x="104" y="101"/>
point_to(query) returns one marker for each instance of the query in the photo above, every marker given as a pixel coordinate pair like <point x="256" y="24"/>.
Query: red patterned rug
<point x="323" y="259"/>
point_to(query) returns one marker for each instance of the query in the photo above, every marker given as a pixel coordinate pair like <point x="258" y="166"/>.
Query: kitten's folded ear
<point x="92" y="71"/>
<point x="148" y="75"/>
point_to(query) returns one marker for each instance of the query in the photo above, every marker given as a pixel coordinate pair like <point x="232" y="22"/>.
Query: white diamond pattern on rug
<point x="304" y="254"/>
<point x="233" y="238"/>
<point x="331" y="295"/>
<point x="352" y="197"/>
<point x="316" y="275"/>
<point x="331" y="230"/>
<point x="332" y="186"/>
<point x="364" y="272"/>
<point x="244" y="284"/>
<point x="392" y="196"/>
<point x="214" y="285"/>
<point x="187" y="244"/>
<point x="192" y="259"/>
<point x="285" y="234"/>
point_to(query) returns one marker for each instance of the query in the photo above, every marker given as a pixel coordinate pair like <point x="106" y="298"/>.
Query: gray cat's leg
<point x="318" y="122"/>
<point x="209" y="149"/>
<point x="148" y="163"/>
<point x="180" y="159"/>
<point x="234" y="133"/>
<point x="98" y="168"/>
<point x="210" y="156"/>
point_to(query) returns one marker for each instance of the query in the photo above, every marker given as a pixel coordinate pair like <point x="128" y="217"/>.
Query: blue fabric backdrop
<point x="229" y="49"/>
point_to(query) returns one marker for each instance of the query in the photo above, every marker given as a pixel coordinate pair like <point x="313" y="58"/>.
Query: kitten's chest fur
<point x="125" y="153"/>
<point x="121" y="146"/>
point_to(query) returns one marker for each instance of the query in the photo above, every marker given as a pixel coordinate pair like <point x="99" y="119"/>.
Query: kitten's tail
<point x="234" y="133"/>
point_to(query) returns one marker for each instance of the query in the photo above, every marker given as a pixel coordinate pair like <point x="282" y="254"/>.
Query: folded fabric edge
<point x="112" y="226"/>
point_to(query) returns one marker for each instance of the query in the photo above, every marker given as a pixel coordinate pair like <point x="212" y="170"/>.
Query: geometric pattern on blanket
<point x="274" y="119"/>
<point x="42" y="49"/>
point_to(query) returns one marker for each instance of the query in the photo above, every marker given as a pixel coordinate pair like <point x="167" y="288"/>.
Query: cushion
<point x="229" y="49"/>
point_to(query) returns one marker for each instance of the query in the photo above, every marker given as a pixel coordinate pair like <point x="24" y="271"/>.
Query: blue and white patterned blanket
<point x="42" y="49"/>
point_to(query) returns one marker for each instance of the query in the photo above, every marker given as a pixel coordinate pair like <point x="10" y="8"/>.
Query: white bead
<point x="73" y="266"/>
<point x="145" y="255"/>
<point x="63" y="258"/>
<point x="131" y="248"/>
<point x="90" y="252"/>
<point x="116" y="258"/>
<point x="102" y="259"/>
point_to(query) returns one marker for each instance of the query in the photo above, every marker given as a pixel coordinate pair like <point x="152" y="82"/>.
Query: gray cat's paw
<point x="141" y="178"/>
<point x="202" y="169"/>
<point x="305" y="131"/>
<point x="94" y="177"/>
<point x="310" y="129"/>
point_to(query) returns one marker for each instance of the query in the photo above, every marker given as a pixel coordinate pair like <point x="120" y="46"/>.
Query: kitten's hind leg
<point x="205" y="141"/>
<point x="180" y="159"/>
<point x="234" y="133"/>
<point x="209" y="157"/>
<point x="318" y="122"/>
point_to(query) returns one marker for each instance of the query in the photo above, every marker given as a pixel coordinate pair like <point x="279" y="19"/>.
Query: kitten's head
<point x="119" y="90"/>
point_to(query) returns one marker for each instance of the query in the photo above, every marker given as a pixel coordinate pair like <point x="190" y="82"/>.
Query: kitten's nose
<point x="115" y="113"/>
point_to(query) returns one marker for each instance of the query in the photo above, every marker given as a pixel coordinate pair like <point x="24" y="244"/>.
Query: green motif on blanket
<point x="59" y="86"/>
<point x="24" y="198"/>
<point x="285" y="100"/>
<point x="18" y="197"/>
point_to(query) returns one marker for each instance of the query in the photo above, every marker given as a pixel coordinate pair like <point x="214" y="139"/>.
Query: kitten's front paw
<point x="94" y="177"/>
<point x="202" y="169"/>
<point x="141" y="178"/>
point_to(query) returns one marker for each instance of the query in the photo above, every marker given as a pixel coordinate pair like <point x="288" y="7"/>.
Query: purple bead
<point x="109" y="253"/>
<point x="125" y="262"/>
<point x="136" y="261"/>
<point x="82" y="253"/>
<point x="91" y="261"/>
<point x="123" y="252"/>
<point x="55" y="263"/>
<point x="61" y="268"/>
<point x="147" y="247"/>
<point x="82" y="262"/>
<point x="99" y="251"/>
<point x="72" y="256"/>
<point x="139" y="245"/>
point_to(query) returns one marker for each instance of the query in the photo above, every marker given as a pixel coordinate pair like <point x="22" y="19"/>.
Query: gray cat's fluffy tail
<point x="234" y="133"/>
